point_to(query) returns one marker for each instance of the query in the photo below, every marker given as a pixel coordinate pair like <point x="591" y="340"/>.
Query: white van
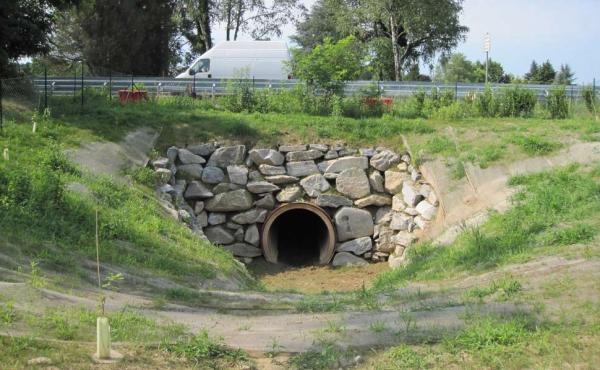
<point x="256" y="59"/>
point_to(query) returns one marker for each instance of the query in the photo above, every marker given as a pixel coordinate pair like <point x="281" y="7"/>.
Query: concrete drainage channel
<point x="298" y="204"/>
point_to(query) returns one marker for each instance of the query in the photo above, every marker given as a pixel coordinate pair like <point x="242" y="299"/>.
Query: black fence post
<point x="45" y="87"/>
<point x="1" y="109"/>
<point x="74" y="81"/>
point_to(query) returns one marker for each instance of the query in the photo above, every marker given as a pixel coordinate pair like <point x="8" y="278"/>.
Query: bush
<point x="557" y="103"/>
<point x="589" y="97"/>
<point x="485" y="103"/>
<point x="240" y="94"/>
<point x="516" y="102"/>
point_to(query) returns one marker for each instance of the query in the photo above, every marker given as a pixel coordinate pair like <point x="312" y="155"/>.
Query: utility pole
<point x="487" y="44"/>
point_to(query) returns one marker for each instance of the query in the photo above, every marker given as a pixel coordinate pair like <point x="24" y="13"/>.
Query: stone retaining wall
<point x="377" y="200"/>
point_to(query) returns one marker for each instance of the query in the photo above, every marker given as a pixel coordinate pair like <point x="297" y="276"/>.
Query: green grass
<point x="541" y="220"/>
<point x="506" y="288"/>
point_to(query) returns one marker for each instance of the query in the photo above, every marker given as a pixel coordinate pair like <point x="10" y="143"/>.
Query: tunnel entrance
<point x="298" y="234"/>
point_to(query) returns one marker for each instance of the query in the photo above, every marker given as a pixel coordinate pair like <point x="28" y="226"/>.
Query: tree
<point x="194" y="19"/>
<point x="546" y="73"/>
<point x="321" y="22"/>
<point x="564" y="76"/>
<point x="128" y="36"/>
<point x="495" y="72"/>
<point x="25" y="26"/>
<point x="533" y="73"/>
<point x="329" y="65"/>
<point x="456" y="68"/>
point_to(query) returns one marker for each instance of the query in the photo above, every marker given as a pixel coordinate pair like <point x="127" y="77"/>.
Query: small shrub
<point x="557" y="103"/>
<point x="404" y="357"/>
<point x="325" y="357"/>
<point x="7" y="313"/>
<point x="485" y="103"/>
<point x="534" y="145"/>
<point x="517" y="102"/>
<point x="201" y="349"/>
<point x="487" y="333"/>
<point x="589" y="97"/>
<point x="240" y="94"/>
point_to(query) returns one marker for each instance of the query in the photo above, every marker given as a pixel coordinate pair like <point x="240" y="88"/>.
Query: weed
<point x="404" y="357"/>
<point x="324" y="356"/>
<point x="334" y="327"/>
<point x="274" y="349"/>
<point x="7" y="313"/>
<point x="409" y="319"/>
<point x="557" y="103"/>
<point x="202" y="350"/>
<point x="36" y="280"/>
<point x="534" y="145"/>
<point x="378" y="326"/>
<point x="506" y="287"/>
<point x="489" y="332"/>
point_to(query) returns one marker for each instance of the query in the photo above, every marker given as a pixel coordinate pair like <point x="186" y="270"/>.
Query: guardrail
<point x="154" y="85"/>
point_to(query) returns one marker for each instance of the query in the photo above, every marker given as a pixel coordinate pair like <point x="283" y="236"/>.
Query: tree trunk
<point x="228" y="25"/>
<point x="395" y="51"/>
<point x="204" y="29"/>
<point x="238" y="19"/>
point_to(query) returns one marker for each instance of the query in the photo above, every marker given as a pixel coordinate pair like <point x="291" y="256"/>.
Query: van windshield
<point x="201" y="66"/>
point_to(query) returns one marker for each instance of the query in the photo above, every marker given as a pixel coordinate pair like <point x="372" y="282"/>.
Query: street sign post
<point x="487" y="44"/>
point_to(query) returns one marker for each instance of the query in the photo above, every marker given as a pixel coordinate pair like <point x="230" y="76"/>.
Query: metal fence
<point x="154" y="85"/>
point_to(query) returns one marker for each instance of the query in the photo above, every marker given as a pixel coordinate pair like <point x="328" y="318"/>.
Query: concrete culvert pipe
<point x="298" y="234"/>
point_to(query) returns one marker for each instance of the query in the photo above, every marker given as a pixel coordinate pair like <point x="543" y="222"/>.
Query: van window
<point x="201" y="66"/>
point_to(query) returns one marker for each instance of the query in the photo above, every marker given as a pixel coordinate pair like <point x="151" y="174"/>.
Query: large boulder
<point x="250" y="217"/>
<point x="353" y="183"/>
<point x="314" y="185"/>
<point x="227" y="156"/>
<point x="266" y="156"/>
<point x="189" y="172"/>
<point x="301" y="168"/>
<point x="187" y="157"/>
<point x="231" y="201"/>
<point x="212" y="175"/>
<point x="260" y="187"/>
<point x="333" y="201"/>
<point x="218" y="235"/>
<point x="305" y="155"/>
<point x="290" y="194"/>
<point x="197" y="190"/>
<point x="357" y="246"/>
<point x="341" y="164"/>
<point x="347" y="259"/>
<point x="238" y="174"/>
<point x="385" y="159"/>
<point x="352" y="223"/>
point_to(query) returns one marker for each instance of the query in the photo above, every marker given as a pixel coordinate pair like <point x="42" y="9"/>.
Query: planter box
<point x="386" y="101"/>
<point x="132" y="96"/>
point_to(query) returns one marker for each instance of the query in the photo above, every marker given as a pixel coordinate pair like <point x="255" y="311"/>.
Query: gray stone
<point x="238" y="235"/>
<point x="266" y="202"/>
<point x="341" y="164"/>
<point x="267" y="169"/>
<point x="393" y="181"/>
<point x="234" y="226"/>
<point x="331" y="175"/>
<point x="238" y="174"/>
<point x="218" y="235"/>
<point x="162" y="175"/>
<point x="160" y="163"/>
<point x="250" y="217"/>
<point x="402" y="167"/>
<point x="347" y="151"/>
<point x="212" y="175"/>
<point x="396" y="261"/>
<point x="353" y="183"/>
<point x="377" y="200"/>
<point x="172" y="154"/>
<point x="198" y="207"/>
<point x="202" y="219"/>
<point x="305" y="155"/>
<point x="243" y="250"/>
<point x="187" y="157"/>
<point x="415" y="175"/>
<point x="400" y="221"/>
<point x="385" y="159"/>
<point x="398" y="203"/>
<point x="302" y="168"/>
<point x="314" y="185"/>
<point x="352" y="223"/>
<point x="347" y="259"/>
<point x="197" y="190"/>
<point x="166" y="188"/>
<point x="404" y="238"/>
<point x="376" y="181"/>
<point x="321" y="147"/>
<point x="204" y="149"/>
<point x="260" y="187"/>
<point x="217" y="218"/>
<point x="252" y="236"/>
<point x="331" y="154"/>
<point x="333" y="201"/>
<point x="281" y="179"/>
<point x="425" y="190"/>
<point x="189" y="172"/>
<point x="410" y="195"/>
<point x="405" y="158"/>
<point x="421" y="223"/>
<point x="357" y="246"/>
<point x="410" y="211"/>
<point x="266" y="156"/>
<point x="383" y="215"/>
<point x="225" y="187"/>
<point x="292" y="148"/>
<point x="227" y="156"/>
<point x="426" y="210"/>
<point x="433" y="199"/>
<point x="237" y="200"/>
<point x="255" y="176"/>
<point x="367" y="152"/>
<point x="384" y="241"/>
<point x="178" y="195"/>
<point x="290" y="194"/>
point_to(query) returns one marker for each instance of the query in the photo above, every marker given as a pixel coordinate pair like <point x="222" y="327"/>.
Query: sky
<point x="562" y="31"/>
